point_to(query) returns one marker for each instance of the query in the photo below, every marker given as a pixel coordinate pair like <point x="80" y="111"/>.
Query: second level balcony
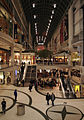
<point x="78" y="39"/>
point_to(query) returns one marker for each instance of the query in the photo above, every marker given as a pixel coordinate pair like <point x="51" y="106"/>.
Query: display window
<point x="1" y="77"/>
<point x="75" y="58"/>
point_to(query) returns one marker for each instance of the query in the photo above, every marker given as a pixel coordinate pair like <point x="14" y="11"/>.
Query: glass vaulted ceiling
<point x="44" y="16"/>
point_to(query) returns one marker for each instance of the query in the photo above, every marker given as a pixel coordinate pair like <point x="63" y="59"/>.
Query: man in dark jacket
<point x="48" y="98"/>
<point x="15" y="94"/>
<point x="3" y="103"/>
<point x="30" y="87"/>
<point x="52" y="98"/>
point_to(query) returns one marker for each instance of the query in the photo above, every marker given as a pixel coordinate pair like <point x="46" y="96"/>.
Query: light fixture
<point x="54" y="5"/>
<point x="10" y="21"/>
<point x="33" y="5"/>
<point x="34" y="16"/>
<point x="52" y="11"/>
<point x="50" y="21"/>
<point x="51" y="16"/>
<point x="46" y="33"/>
<point x="36" y="32"/>
<point x="35" y="24"/>
<point x="40" y="43"/>
<point x="49" y="24"/>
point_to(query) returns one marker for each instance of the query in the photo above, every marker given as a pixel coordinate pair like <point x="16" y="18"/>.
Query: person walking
<point x="23" y="83"/>
<point x="3" y="103"/>
<point x="48" y="98"/>
<point x="15" y="94"/>
<point x="52" y="98"/>
<point x="36" y="85"/>
<point x="30" y="87"/>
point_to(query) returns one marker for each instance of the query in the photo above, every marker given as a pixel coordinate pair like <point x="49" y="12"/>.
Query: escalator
<point x="30" y="73"/>
<point x="67" y="89"/>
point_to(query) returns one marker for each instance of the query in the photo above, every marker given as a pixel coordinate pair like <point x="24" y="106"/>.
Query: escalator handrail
<point x="25" y="70"/>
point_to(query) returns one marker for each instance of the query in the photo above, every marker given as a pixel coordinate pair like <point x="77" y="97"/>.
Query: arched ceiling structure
<point x="44" y="16"/>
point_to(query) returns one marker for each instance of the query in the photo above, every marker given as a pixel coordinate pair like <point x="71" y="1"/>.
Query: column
<point x="20" y="57"/>
<point x="12" y="55"/>
<point x="69" y="60"/>
<point x="83" y="35"/>
<point x="70" y="23"/>
<point x="12" y="64"/>
<point x="12" y="76"/>
<point x="5" y="77"/>
<point x="82" y="56"/>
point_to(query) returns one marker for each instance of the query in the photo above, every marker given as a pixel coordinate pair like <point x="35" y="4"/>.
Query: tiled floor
<point x="37" y="110"/>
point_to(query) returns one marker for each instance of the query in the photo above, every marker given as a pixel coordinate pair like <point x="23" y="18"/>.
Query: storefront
<point x="2" y="78"/>
<point x="75" y="58"/>
<point x="4" y="56"/>
<point x="60" y="59"/>
<point x="26" y="57"/>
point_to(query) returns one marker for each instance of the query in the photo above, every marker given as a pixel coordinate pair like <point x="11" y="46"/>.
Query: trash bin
<point x="20" y="109"/>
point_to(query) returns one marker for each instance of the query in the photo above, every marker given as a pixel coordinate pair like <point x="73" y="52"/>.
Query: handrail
<point x="25" y="69"/>
<point x="62" y="89"/>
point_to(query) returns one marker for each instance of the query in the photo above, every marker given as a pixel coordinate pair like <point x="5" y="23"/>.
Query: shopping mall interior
<point x="42" y="59"/>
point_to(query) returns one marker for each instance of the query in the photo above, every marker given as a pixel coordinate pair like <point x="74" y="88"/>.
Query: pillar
<point x="70" y="23"/>
<point x="12" y="55"/>
<point x="5" y="77"/>
<point x="20" y="57"/>
<point x="12" y="64"/>
<point x="12" y="76"/>
<point x="83" y="34"/>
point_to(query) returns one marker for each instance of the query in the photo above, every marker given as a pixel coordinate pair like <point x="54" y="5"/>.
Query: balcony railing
<point x="7" y="65"/>
<point x="78" y="38"/>
<point x="52" y="63"/>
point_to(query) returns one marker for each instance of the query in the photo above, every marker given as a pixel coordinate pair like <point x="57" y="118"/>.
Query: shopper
<point x="30" y="87"/>
<point x="15" y="94"/>
<point x="23" y="83"/>
<point x="3" y="103"/>
<point x="52" y="98"/>
<point x="36" y="85"/>
<point x="48" y="98"/>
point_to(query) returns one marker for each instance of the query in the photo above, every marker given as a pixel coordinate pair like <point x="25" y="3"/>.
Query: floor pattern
<point x="64" y="112"/>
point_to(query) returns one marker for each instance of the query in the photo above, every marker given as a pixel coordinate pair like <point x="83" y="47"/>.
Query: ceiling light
<point x="49" y="24"/>
<point x="46" y="33"/>
<point x="50" y="21"/>
<point x="34" y="16"/>
<point x="10" y="20"/>
<point x="40" y="43"/>
<point x="35" y="24"/>
<point x="33" y="5"/>
<point x="54" y="5"/>
<point x="52" y="11"/>
<point x="36" y="29"/>
<point x="51" y="16"/>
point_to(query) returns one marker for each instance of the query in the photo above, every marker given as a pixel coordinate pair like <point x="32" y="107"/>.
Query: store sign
<point x="40" y="47"/>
